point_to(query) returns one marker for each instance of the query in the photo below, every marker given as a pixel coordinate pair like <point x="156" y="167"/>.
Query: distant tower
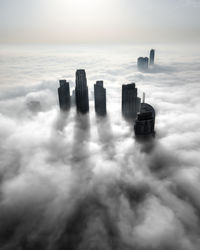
<point x="64" y="95"/>
<point x="142" y="63"/>
<point x="145" y="122"/>
<point x="130" y="101"/>
<point x="152" y="56"/>
<point x="81" y="91"/>
<point x="100" y="98"/>
<point x="143" y="98"/>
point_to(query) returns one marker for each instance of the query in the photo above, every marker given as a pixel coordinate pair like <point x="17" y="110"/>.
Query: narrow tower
<point x="130" y="101"/>
<point x="64" y="95"/>
<point x="145" y="122"/>
<point x="142" y="63"/>
<point x="81" y="91"/>
<point x="100" y="98"/>
<point x="152" y="56"/>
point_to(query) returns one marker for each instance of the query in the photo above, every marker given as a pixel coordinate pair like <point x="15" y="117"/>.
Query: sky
<point x="77" y="21"/>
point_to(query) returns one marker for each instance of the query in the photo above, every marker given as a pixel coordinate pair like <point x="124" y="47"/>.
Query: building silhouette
<point x="152" y="56"/>
<point x="100" y="98"/>
<point x="145" y="122"/>
<point x="64" y="95"/>
<point x="142" y="63"/>
<point x="81" y="92"/>
<point x="130" y="101"/>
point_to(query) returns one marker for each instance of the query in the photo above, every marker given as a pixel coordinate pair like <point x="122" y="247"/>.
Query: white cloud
<point x="82" y="182"/>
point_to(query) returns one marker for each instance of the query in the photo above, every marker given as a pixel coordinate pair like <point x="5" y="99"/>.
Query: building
<point x="100" y="98"/>
<point x="152" y="56"/>
<point x="64" y="95"/>
<point x="142" y="63"/>
<point x="145" y="122"/>
<point x="130" y="101"/>
<point x="81" y="92"/>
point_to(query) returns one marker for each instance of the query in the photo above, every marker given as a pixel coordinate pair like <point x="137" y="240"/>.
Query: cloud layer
<point x="80" y="182"/>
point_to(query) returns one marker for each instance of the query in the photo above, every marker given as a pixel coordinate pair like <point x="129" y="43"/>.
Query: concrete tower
<point x="142" y="63"/>
<point x="64" y="95"/>
<point x="130" y="101"/>
<point x="81" y="92"/>
<point x="152" y="56"/>
<point x="100" y="98"/>
<point x="145" y="122"/>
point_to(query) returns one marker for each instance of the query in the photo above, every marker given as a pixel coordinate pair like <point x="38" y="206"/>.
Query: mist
<point x="99" y="21"/>
<point x="69" y="181"/>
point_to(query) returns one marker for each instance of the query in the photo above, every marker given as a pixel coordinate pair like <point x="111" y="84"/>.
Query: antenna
<point x="143" y="98"/>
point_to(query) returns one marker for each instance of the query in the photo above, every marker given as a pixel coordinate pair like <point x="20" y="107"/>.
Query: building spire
<point x="143" y="99"/>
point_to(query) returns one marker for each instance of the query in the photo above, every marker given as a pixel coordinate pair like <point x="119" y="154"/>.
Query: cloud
<point x="81" y="182"/>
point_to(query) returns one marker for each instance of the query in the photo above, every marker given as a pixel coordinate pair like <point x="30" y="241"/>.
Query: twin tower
<point x="144" y="63"/>
<point x="80" y="95"/>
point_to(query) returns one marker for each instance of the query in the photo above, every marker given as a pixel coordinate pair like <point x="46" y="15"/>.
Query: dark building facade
<point x="64" y="95"/>
<point x="100" y="98"/>
<point x="145" y="122"/>
<point x="81" y="92"/>
<point x="130" y="101"/>
<point x="143" y="63"/>
<point x="152" y="57"/>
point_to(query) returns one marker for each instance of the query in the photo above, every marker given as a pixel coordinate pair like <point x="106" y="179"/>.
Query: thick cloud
<point x="81" y="182"/>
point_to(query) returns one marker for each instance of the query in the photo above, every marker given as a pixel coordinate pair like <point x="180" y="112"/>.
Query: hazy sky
<point x="99" y="20"/>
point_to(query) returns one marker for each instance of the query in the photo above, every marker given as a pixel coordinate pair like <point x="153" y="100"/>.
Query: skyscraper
<point x="145" y="122"/>
<point x="130" y="101"/>
<point x="100" y="98"/>
<point x="142" y="63"/>
<point x="81" y="90"/>
<point x="152" y="56"/>
<point x="64" y="95"/>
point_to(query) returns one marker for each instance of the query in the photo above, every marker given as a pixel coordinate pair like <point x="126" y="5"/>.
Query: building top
<point x="129" y="86"/>
<point x="80" y="72"/>
<point x="81" y="80"/>
<point x="62" y="82"/>
<point x="146" y="108"/>
<point x="99" y="83"/>
<point x="143" y="58"/>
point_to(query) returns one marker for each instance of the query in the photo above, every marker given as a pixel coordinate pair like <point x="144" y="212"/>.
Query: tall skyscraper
<point x="100" y="98"/>
<point x="145" y="122"/>
<point x="142" y="63"/>
<point x="130" y="101"/>
<point x="64" y="95"/>
<point x="152" y="56"/>
<point x="81" y="90"/>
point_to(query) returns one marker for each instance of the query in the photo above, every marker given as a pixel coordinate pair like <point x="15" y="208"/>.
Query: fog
<point x="82" y="182"/>
<point x="99" y="21"/>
